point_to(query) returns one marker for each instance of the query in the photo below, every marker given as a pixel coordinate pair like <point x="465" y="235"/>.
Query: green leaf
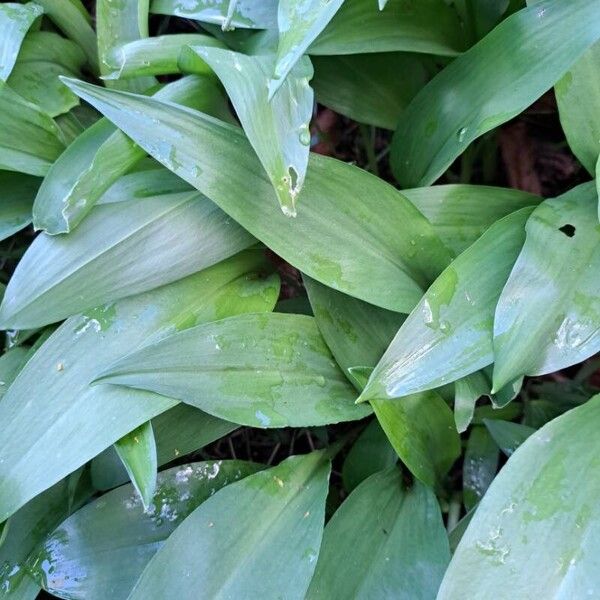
<point x="30" y="525"/>
<point x="356" y="332"/>
<point x="366" y="87"/>
<point x="449" y="334"/>
<point x="554" y="276"/>
<point x="114" y="534"/>
<point x="137" y="451"/>
<point x="17" y="191"/>
<point x="530" y="51"/>
<point x="467" y="391"/>
<point x="508" y="436"/>
<point x="534" y="534"/>
<point x="11" y="362"/>
<point x="383" y="542"/>
<point x="578" y="100"/>
<point x="265" y="370"/>
<point x="460" y="213"/>
<point x="250" y="14"/>
<point x="479" y="466"/>
<point x="43" y="57"/>
<point x="72" y="19"/>
<point x="121" y="249"/>
<point x="428" y="26"/>
<point x="299" y="24"/>
<point x="30" y="140"/>
<point x="155" y="56"/>
<point x="382" y="249"/>
<point x="58" y="421"/>
<point x="258" y="538"/>
<point x="177" y="432"/>
<point x="99" y="156"/>
<point x="118" y="23"/>
<point x="481" y="16"/>
<point x="278" y="130"/>
<point x="15" y="21"/>
<point x="421" y="429"/>
<point x="370" y="453"/>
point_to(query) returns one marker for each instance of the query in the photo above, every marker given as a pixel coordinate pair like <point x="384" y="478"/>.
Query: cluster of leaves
<point x="146" y="320"/>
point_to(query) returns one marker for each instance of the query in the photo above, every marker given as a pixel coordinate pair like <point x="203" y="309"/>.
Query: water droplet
<point x="461" y="134"/>
<point x="304" y="135"/>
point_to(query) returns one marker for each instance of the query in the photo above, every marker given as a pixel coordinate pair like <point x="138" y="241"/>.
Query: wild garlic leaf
<point x="553" y="276"/>
<point x="382" y="249"/>
<point x="264" y="370"/>
<point x="256" y="538"/>
<point x="119" y="535"/>
<point x="530" y="51"/>
<point x="535" y="532"/>
<point x="449" y="334"/>
<point x="278" y="130"/>
<point x="59" y="421"/>
<point x="15" y="21"/>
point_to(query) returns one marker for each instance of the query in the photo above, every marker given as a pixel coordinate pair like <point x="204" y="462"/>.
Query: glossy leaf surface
<point x="385" y="541"/>
<point x="268" y="370"/>
<point x="258" y="538"/>
<point x="366" y="255"/>
<point x="530" y="51"/>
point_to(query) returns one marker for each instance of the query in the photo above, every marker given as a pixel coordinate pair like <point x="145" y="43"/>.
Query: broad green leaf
<point x="119" y="23"/>
<point x="481" y="16"/>
<point x="530" y="51"/>
<point x="100" y="155"/>
<point x="421" y="429"/>
<point x="508" y="436"/>
<point x="121" y="249"/>
<point x="578" y="100"/>
<point x="30" y="140"/>
<point x="16" y="198"/>
<point x="479" y="466"/>
<point x="367" y="88"/>
<point x="58" y="421"/>
<point x="137" y="451"/>
<point x="299" y="24"/>
<point x="385" y="541"/>
<point x="455" y="535"/>
<point x="428" y="26"/>
<point x="15" y="21"/>
<point x="30" y="525"/>
<point x="11" y="362"/>
<point x="264" y="370"/>
<point x="382" y="249"/>
<point x="101" y="550"/>
<point x="449" y="334"/>
<point x="467" y="391"/>
<point x="72" y="19"/>
<point x="278" y="130"/>
<point x="257" y="538"/>
<point x="535" y="532"/>
<point x="178" y="431"/>
<point x="554" y="276"/>
<point x="155" y="56"/>
<point x="356" y="332"/>
<point x="460" y="213"/>
<point x="44" y="56"/>
<point x="370" y="453"/>
<point x="248" y="14"/>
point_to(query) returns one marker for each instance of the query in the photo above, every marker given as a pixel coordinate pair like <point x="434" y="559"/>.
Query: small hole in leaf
<point x="568" y="230"/>
<point x="293" y="177"/>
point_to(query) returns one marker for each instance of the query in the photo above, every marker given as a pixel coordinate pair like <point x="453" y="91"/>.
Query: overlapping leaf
<point x="535" y="532"/>
<point x="449" y="334"/>
<point x="257" y="538"/>
<point x="16" y="194"/>
<point x="385" y="541"/>
<point x="530" y="51"/>
<point x="278" y="130"/>
<point x="554" y="276"/>
<point x="58" y="421"/>
<point x="382" y="249"/>
<point x="114" y="534"/>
